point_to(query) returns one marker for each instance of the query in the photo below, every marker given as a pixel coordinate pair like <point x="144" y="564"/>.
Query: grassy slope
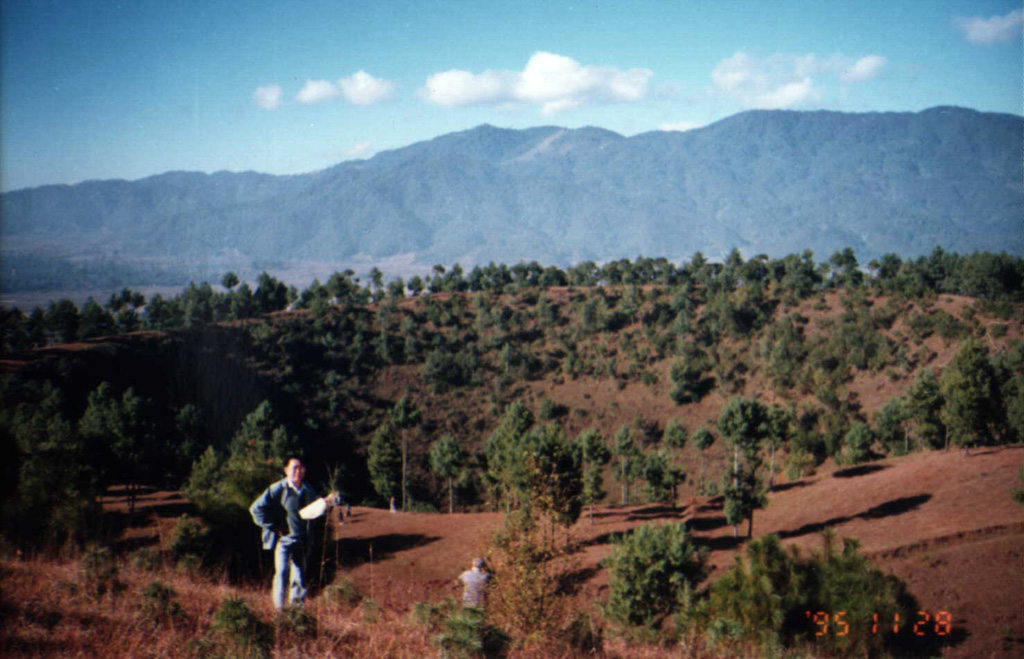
<point x="942" y="522"/>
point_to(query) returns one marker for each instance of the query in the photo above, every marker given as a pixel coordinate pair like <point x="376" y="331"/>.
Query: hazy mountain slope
<point x="764" y="181"/>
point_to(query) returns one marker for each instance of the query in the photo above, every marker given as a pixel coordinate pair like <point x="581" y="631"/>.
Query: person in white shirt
<point x="474" y="585"/>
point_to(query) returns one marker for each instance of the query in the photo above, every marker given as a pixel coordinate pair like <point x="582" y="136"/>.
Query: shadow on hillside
<point x="357" y="551"/>
<point x="115" y="523"/>
<point x="714" y="503"/>
<point x="572" y="583"/>
<point x="151" y="504"/>
<point x="172" y="508"/>
<point x="895" y="507"/>
<point x="887" y="509"/>
<point x="721" y="543"/>
<point x="656" y="512"/>
<point x="706" y="523"/>
<point x="860" y="470"/>
<point x="603" y="539"/>
<point x="814" y="527"/>
<point x="782" y="487"/>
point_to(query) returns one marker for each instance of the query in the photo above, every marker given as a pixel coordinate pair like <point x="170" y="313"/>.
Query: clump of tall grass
<point x="98" y="573"/>
<point x="160" y="603"/>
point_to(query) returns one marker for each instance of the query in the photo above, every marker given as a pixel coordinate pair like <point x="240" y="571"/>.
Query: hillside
<point x="858" y="395"/>
<point x="942" y="522"/>
<point x="771" y="182"/>
<point x="602" y="358"/>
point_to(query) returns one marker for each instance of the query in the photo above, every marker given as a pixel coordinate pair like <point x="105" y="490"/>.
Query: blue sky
<point x="96" y="89"/>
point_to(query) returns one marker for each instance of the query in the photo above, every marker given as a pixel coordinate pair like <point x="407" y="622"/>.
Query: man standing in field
<point x="284" y="511"/>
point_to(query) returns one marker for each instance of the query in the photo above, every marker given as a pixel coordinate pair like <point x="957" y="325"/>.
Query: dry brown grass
<point x="48" y="609"/>
<point x="943" y="523"/>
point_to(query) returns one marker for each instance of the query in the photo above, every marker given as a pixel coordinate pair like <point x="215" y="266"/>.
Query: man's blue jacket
<point x="279" y="507"/>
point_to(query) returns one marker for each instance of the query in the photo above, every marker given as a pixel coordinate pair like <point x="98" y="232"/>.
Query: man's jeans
<point x="289" y="570"/>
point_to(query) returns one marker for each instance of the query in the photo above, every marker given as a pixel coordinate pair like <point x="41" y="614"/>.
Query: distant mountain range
<point x="773" y="182"/>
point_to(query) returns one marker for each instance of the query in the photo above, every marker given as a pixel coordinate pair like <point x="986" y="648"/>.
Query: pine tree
<point x="629" y="461"/>
<point x="503" y="453"/>
<point x="384" y="461"/>
<point x="447" y="460"/>
<point x="595" y="455"/>
<point x="745" y="423"/>
<point x="890" y="427"/>
<point x="779" y="425"/>
<point x="675" y="439"/>
<point x="703" y="440"/>
<point x="652" y="571"/>
<point x="120" y="430"/>
<point x="971" y="396"/>
<point x="925" y="403"/>
<point x="403" y="416"/>
<point x="857" y="443"/>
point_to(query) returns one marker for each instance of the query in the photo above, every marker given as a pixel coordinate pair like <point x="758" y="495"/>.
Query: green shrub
<point x="583" y="636"/>
<point x="444" y="370"/>
<point x="775" y="599"/>
<point x="99" y="572"/>
<point x="467" y="633"/>
<point x="294" y="621"/>
<point x="689" y="383"/>
<point x="145" y="559"/>
<point x="432" y="615"/>
<point x="422" y="507"/>
<point x="241" y="632"/>
<point x="798" y="465"/>
<point x="190" y="541"/>
<point x="547" y="409"/>
<point x="159" y="603"/>
<point x="343" y="594"/>
<point x="652" y="573"/>
<point x="857" y="444"/>
<point x="370" y="610"/>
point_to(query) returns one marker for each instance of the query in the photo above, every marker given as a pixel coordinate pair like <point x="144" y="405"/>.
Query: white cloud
<point x="863" y="69"/>
<point x="789" y="95"/>
<point x="359" y="150"/>
<point x="361" y="88"/>
<point x="734" y="74"/>
<point x="554" y="82"/>
<point x="777" y="82"/>
<point x="316" y="91"/>
<point x="981" y="31"/>
<point x="783" y="81"/>
<point x="680" y="126"/>
<point x="267" y="97"/>
<point x="456" y="88"/>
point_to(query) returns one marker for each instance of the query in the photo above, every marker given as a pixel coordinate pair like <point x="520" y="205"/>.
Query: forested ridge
<point x="533" y="390"/>
<point x="328" y="365"/>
